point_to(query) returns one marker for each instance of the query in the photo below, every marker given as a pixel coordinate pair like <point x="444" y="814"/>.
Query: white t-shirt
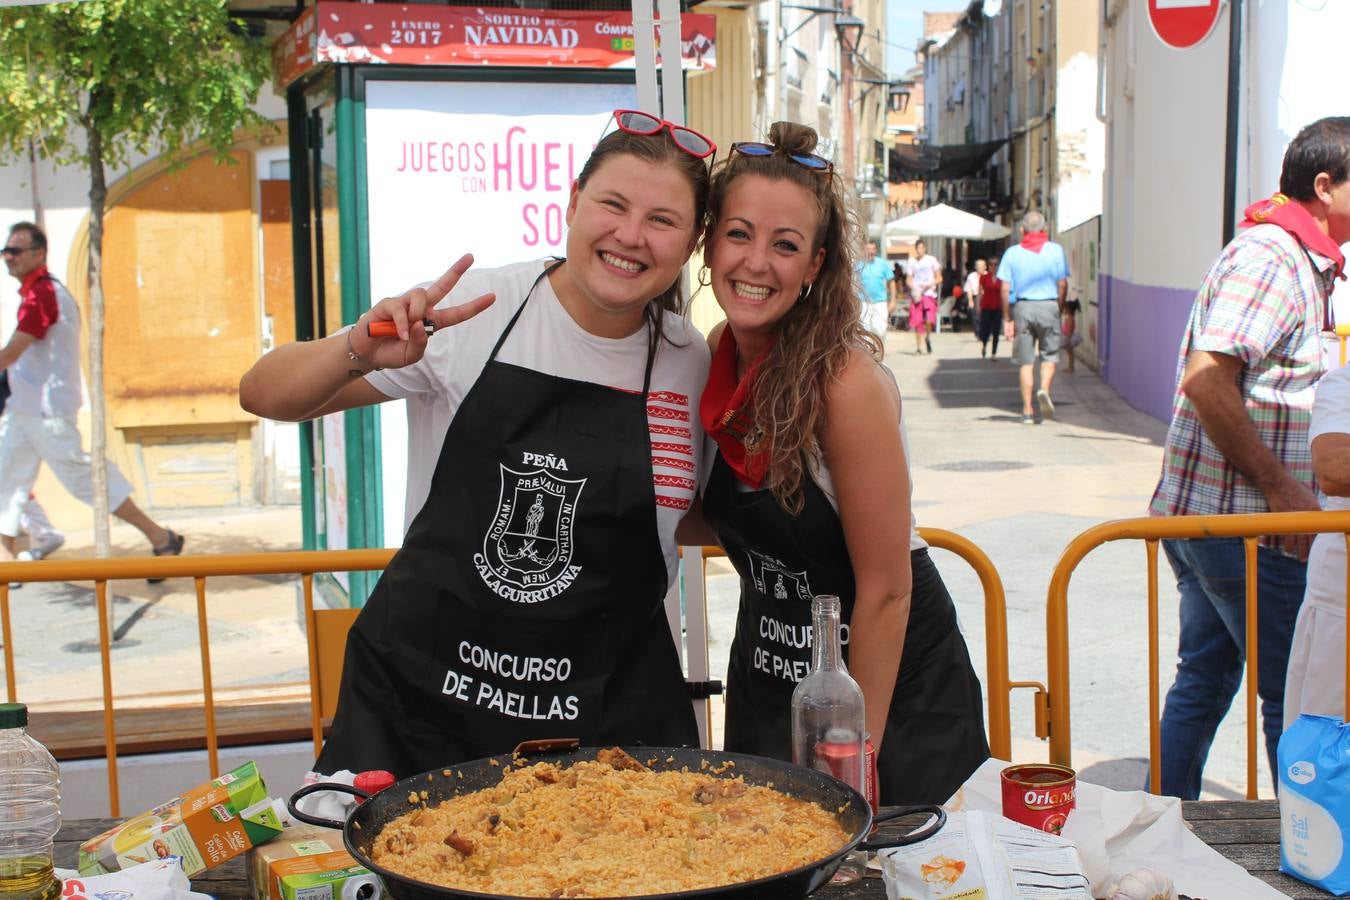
<point x="547" y="339"/>
<point x="1326" y="561"/>
<point x="46" y="380"/>
<point x="924" y="272"/>
<point x="973" y="285"/>
<point x="1315" y="679"/>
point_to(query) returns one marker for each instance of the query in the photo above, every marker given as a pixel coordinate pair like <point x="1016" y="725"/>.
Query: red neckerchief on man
<point x="1035" y="240"/>
<point x="1296" y="220"/>
<point x="726" y="412"/>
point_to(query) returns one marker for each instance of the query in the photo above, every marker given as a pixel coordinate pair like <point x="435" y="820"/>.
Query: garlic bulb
<point x="1142" y="884"/>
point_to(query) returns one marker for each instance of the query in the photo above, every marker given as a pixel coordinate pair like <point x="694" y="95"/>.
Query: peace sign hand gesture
<point x="406" y="314"/>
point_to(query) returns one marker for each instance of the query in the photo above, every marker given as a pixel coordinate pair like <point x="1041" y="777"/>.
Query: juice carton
<point x="204" y="827"/>
<point x="309" y="863"/>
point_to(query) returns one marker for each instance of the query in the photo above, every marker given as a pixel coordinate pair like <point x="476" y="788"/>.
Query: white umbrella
<point x="946" y="221"/>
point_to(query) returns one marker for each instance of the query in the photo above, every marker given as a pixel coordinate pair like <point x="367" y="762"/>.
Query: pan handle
<point x="939" y="819"/>
<point x="314" y="789"/>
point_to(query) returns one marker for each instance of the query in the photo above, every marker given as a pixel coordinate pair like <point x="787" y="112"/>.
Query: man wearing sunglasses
<point x="877" y="282"/>
<point x="42" y="361"/>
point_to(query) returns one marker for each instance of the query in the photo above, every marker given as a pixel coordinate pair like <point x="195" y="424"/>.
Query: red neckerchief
<point x="1035" y="240"/>
<point x="1296" y="220"/>
<point x="31" y="279"/>
<point x="725" y="411"/>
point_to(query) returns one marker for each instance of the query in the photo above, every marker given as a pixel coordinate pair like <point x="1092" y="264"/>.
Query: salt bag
<point x="1314" y="759"/>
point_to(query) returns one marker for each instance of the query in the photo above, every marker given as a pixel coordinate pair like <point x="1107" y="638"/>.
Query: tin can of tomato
<point x="837" y="755"/>
<point x="1039" y="795"/>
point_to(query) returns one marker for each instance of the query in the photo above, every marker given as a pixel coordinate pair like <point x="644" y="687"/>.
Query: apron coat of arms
<point x="774" y="579"/>
<point x="529" y="542"/>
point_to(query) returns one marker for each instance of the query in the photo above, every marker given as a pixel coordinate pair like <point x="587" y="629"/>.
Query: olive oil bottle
<point x="30" y="810"/>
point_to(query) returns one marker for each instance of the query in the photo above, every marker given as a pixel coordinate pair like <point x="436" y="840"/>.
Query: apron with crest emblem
<point x="935" y="729"/>
<point x="527" y="599"/>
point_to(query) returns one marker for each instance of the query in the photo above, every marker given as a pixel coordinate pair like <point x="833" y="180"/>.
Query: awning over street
<point x="946" y="221"/>
<point x="925" y="162"/>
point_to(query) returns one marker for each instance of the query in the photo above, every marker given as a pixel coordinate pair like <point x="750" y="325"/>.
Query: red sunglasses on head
<point x="635" y="121"/>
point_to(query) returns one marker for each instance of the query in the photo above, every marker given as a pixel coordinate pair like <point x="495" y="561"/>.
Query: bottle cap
<point x="13" y="715"/>
<point x="374" y="781"/>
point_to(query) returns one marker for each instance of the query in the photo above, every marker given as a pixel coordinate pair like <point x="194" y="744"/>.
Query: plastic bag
<point x="1314" y="758"/>
<point x="982" y="855"/>
<point x="159" y="879"/>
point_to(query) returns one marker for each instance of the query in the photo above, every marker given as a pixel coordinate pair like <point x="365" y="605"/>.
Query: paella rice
<point x="607" y="828"/>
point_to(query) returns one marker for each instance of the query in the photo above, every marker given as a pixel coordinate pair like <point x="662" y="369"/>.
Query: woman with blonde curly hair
<point x="810" y="491"/>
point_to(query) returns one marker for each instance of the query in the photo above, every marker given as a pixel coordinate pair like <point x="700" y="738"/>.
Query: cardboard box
<point x="309" y="863"/>
<point x="204" y="827"/>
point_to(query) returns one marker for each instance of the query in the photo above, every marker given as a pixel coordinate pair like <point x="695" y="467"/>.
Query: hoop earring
<point x="806" y="293"/>
<point x="704" y="276"/>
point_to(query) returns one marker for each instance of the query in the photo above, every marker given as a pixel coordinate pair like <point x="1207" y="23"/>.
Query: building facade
<point x="198" y="269"/>
<point x="1164" y="111"/>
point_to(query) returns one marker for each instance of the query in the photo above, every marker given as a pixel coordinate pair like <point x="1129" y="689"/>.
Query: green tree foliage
<point x="88" y="83"/>
<point x="148" y="75"/>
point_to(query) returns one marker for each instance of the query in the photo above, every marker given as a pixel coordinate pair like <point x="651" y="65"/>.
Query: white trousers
<point x="874" y="319"/>
<point x="26" y="442"/>
<point x="35" y="523"/>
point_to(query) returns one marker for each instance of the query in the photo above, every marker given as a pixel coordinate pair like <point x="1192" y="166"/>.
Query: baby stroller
<point x="955" y="311"/>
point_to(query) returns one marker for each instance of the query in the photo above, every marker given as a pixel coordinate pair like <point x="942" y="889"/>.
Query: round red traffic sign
<point x="1183" y="23"/>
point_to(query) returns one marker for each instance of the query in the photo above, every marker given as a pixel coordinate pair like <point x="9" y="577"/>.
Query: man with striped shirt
<point x="1238" y="442"/>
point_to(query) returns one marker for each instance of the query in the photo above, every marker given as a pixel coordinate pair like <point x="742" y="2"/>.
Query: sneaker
<point x="46" y="544"/>
<point x="21" y="556"/>
<point x="1046" y="404"/>
<point x="174" y="547"/>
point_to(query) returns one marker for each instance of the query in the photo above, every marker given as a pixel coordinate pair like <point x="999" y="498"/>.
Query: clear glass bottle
<point x="828" y="725"/>
<point x="30" y="810"/>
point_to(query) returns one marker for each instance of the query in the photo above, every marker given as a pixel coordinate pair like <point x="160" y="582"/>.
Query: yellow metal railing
<point x="1151" y="530"/>
<point x="305" y="564"/>
<point x="996" y="682"/>
<point x="199" y="568"/>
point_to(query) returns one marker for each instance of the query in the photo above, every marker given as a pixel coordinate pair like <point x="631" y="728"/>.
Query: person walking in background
<point x="1069" y="326"/>
<point x="1035" y="278"/>
<point x="877" y="284"/>
<point x="38" y="424"/>
<point x="43" y="537"/>
<point x="925" y="284"/>
<point x="970" y="303"/>
<point x="991" y="306"/>
<point x="1238" y="443"/>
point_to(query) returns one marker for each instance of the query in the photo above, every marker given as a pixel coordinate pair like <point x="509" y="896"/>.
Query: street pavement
<point x="1020" y="492"/>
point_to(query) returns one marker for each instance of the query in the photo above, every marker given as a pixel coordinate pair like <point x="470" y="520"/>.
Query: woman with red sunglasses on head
<point x="553" y="452"/>
<point x="810" y="489"/>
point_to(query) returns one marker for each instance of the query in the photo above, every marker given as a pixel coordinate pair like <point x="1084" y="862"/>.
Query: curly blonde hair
<point x="818" y="334"/>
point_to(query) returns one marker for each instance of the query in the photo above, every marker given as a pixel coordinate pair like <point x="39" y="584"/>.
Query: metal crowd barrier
<point x="996" y="683"/>
<point x="199" y="568"/>
<point x="324" y="679"/>
<point x="1150" y="530"/>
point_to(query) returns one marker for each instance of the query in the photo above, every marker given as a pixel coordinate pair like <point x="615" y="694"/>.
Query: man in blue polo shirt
<point x="878" y="292"/>
<point x="1035" y="277"/>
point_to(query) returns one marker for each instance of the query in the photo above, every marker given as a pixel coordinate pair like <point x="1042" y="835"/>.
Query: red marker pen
<point x="387" y="328"/>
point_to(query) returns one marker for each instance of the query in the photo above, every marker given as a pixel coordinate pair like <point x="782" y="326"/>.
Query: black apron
<point x="527" y="600"/>
<point x="935" y="730"/>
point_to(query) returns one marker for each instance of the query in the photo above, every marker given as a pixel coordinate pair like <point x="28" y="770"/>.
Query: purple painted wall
<point x="1142" y="336"/>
